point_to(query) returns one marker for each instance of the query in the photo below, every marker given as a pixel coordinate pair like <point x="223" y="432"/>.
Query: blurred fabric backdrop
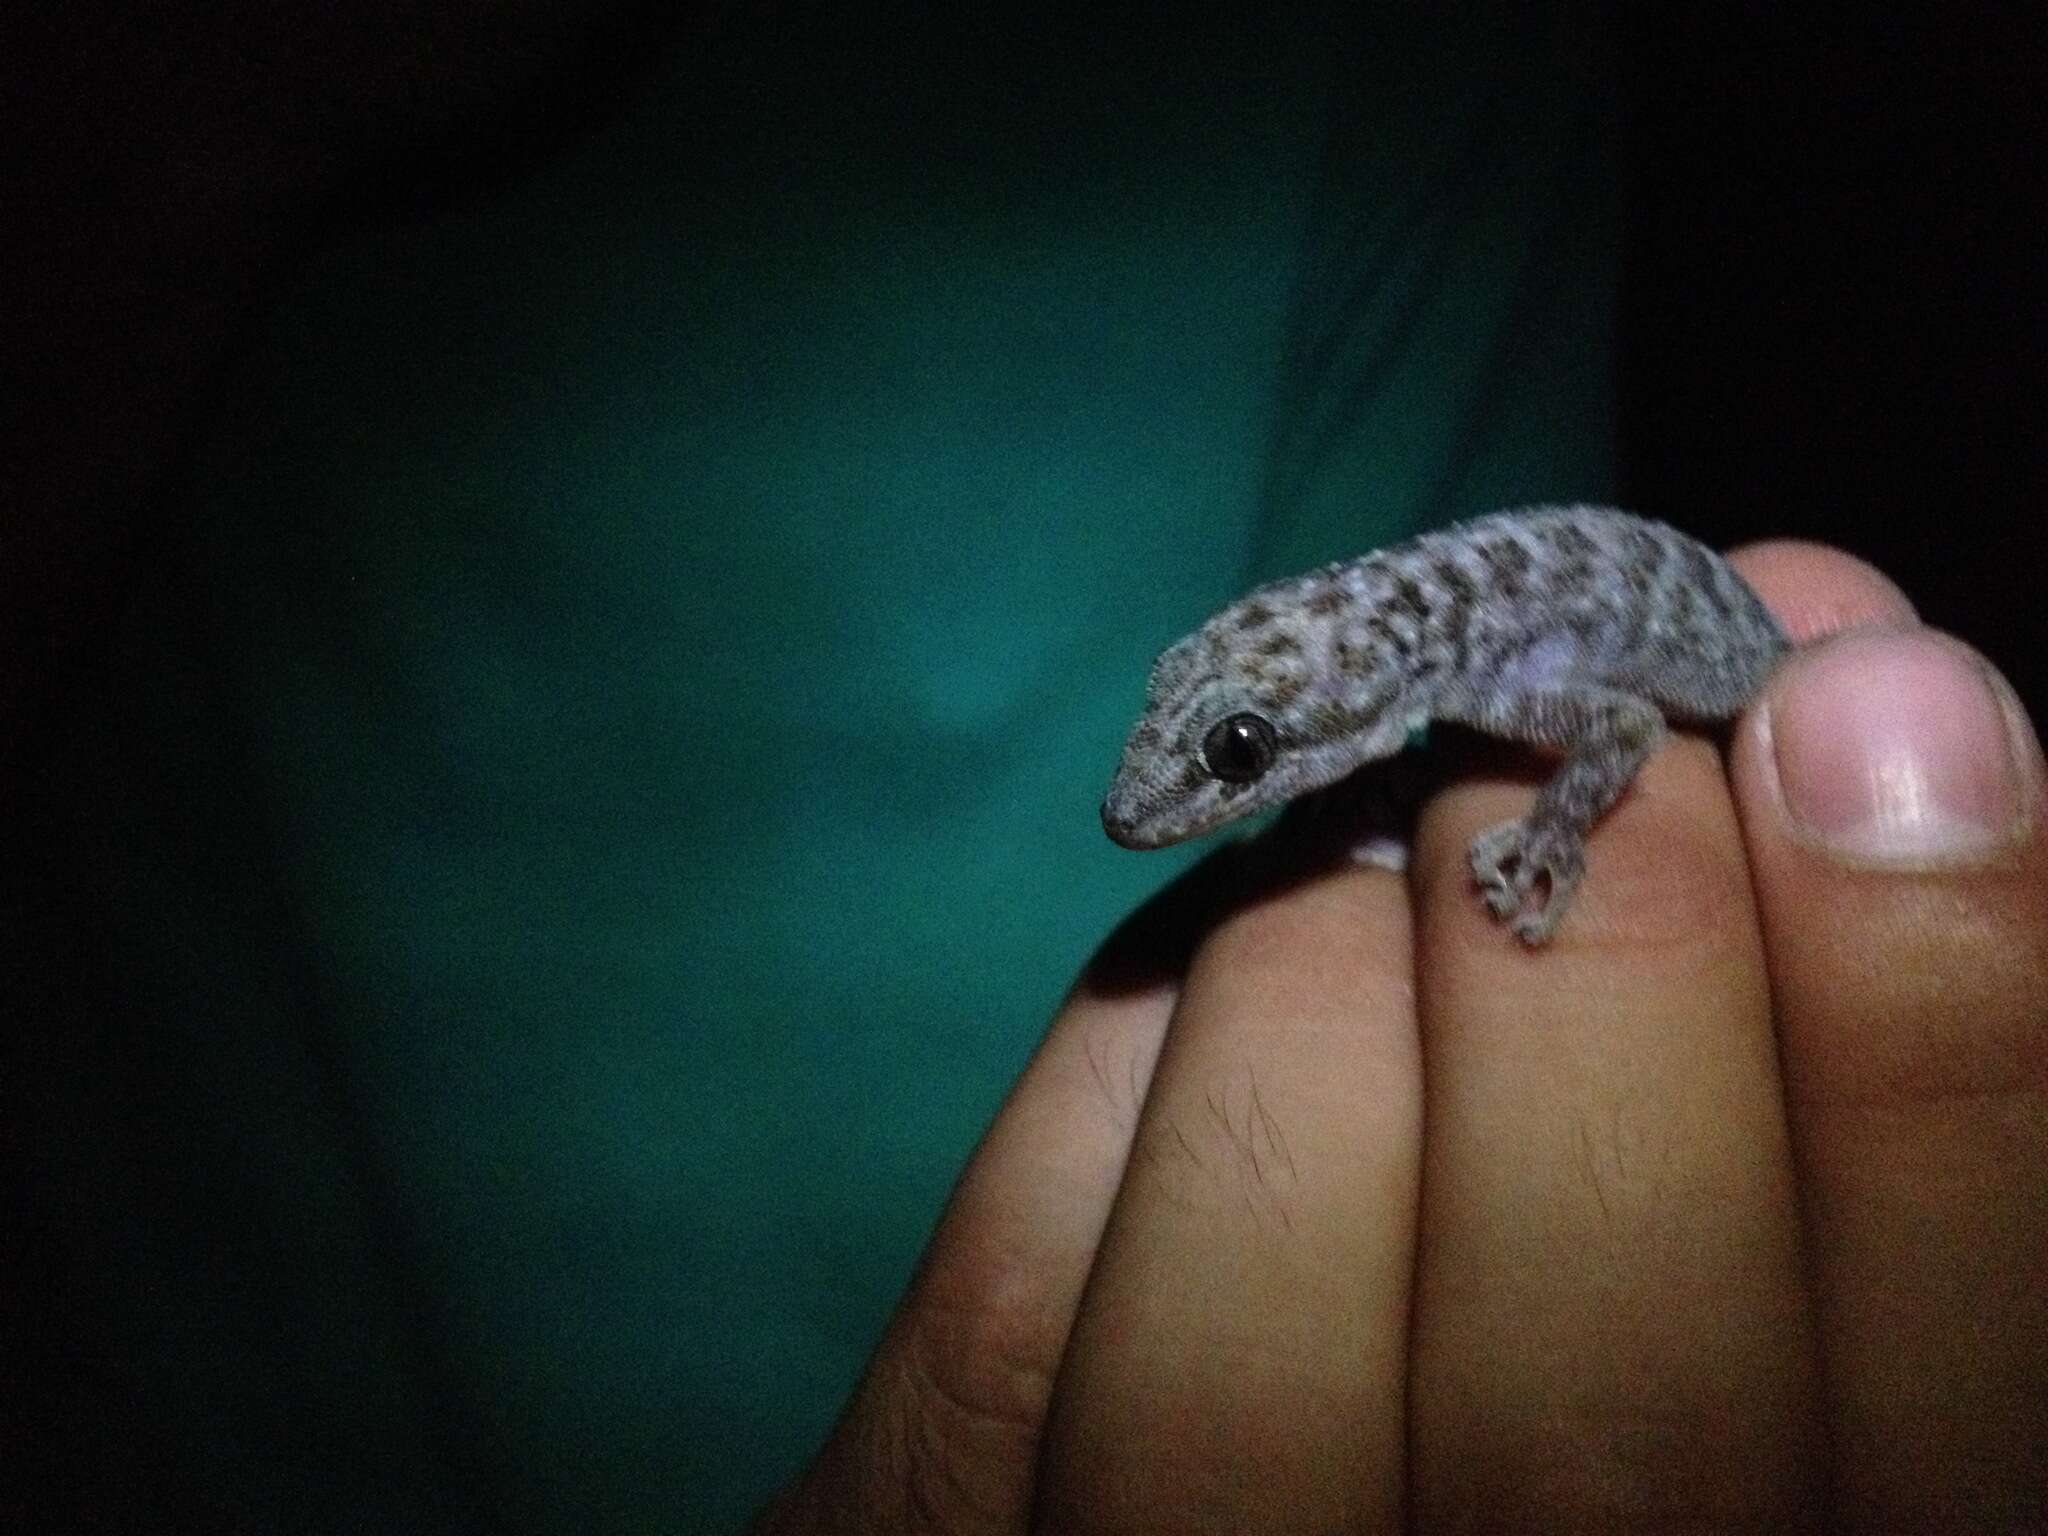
<point x="595" y="796"/>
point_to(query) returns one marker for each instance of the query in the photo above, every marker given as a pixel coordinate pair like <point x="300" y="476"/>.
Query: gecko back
<point x="1598" y="595"/>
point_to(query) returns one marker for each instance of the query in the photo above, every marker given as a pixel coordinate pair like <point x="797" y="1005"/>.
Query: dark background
<point x="1831" y="307"/>
<point x="1827" y="329"/>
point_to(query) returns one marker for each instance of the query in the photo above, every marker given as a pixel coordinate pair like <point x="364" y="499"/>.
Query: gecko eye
<point x="1239" y="748"/>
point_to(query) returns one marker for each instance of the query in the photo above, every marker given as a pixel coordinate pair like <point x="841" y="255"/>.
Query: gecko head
<point x="1245" y="713"/>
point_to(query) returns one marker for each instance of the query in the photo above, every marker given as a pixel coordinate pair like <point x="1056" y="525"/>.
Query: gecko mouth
<point x="1129" y="827"/>
<point x="1122" y="829"/>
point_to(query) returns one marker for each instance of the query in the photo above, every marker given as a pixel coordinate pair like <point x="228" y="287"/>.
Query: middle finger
<point x="1239" y="1359"/>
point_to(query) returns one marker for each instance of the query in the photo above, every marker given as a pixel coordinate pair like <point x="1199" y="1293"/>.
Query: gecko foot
<point x="1510" y="859"/>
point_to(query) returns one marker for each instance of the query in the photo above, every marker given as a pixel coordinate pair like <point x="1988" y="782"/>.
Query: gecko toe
<point x="1526" y="876"/>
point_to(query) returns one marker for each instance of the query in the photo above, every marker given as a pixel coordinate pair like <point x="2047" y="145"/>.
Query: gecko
<point x="1586" y="630"/>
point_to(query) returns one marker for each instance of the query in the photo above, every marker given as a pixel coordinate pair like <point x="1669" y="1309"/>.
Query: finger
<point x="1892" y="797"/>
<point x="1815" y="590"/>
<point x="1239" y="1359"/>
<point x="942" y="1432"/>
<point x="1610" y="1323"/>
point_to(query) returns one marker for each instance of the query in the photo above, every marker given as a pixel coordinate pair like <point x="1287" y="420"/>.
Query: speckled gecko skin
<point x="1582" y="629"/>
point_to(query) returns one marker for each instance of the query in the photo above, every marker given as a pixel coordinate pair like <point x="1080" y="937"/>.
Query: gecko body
<point x="1581" y="629"/>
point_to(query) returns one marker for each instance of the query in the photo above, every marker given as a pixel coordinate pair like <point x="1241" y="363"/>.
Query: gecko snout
<point x="1116" y="824"/>
<point x="1125" y="827"/>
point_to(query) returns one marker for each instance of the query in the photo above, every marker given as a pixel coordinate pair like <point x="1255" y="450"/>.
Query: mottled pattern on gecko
<point x="1582" y="629"/>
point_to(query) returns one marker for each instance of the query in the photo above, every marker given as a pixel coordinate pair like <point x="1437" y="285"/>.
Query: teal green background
<point x="600" y="801"/>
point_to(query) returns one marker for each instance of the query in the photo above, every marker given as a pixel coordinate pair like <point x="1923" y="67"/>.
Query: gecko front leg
<point x="1608" y="734"/>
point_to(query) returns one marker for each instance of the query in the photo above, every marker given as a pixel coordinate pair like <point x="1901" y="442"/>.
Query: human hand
<point x="1327" y="1206"/>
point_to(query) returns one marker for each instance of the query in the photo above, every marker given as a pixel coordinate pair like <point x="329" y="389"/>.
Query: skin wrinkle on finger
<point x="1254" y="1274"/>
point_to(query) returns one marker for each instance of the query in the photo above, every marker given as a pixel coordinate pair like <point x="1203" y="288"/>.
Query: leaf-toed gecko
<point x="1576" y="628"/>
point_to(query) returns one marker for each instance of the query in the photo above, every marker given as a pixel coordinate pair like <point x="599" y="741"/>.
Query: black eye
<point x="1239" y="748"/>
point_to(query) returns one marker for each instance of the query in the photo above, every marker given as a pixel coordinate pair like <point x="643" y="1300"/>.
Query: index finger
<point x="1609" y="1280"/>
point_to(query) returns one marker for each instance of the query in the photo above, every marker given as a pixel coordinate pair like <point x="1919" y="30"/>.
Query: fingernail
<point x="1900" y="747"/>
